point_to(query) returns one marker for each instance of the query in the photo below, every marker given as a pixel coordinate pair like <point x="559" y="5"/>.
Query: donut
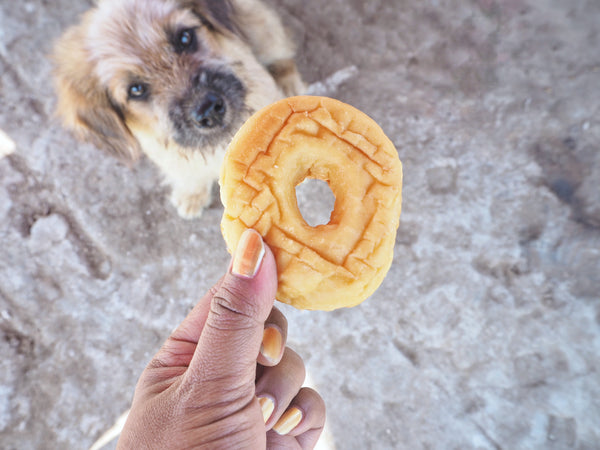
<point x="329" y="266"/>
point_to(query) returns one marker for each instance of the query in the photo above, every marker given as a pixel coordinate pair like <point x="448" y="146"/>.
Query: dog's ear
<point x="219" y="14"/>
<point x="84" y="105"/>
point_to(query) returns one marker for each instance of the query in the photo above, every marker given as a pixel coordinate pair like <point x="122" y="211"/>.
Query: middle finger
<point x="277" y="386"/>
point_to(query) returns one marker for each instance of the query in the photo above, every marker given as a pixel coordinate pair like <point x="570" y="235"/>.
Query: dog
<point x="173" y="80"/>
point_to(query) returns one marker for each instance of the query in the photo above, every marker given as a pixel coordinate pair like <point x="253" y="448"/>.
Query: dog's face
<point x="160" y="74"/>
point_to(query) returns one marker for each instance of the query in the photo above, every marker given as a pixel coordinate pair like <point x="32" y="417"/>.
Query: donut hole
<point x="315" y="201"/>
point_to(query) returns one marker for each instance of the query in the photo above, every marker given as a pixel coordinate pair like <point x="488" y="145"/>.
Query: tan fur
<point x="120" y="41"/>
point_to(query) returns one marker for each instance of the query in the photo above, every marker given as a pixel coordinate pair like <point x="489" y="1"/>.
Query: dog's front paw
<point x="190" y="204"/>
<point x="287" y="77"/>
<point x="292" y="85"/>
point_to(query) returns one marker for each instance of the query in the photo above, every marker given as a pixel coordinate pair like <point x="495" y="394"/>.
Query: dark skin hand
<point x="225" y="378"/>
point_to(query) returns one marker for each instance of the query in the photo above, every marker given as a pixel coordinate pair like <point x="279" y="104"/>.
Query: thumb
<point x="232" y="335"/>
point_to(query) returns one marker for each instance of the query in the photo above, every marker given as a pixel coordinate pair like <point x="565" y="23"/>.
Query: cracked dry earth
<point x="485" y="333"/>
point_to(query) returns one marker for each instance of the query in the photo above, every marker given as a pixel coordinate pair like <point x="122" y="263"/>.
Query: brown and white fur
<point x="174" y="80"/>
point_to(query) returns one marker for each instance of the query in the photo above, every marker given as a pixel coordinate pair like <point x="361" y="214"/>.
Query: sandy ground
<point x="486" y="332"/>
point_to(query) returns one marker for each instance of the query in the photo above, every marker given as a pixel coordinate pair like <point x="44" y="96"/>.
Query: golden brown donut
<point x="328" y="266"/>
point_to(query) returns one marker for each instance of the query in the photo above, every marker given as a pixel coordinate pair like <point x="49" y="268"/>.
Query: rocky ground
<point x="486" y="332"/>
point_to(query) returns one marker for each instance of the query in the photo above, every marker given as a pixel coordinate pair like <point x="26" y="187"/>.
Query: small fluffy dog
<point x="173" y="79"/>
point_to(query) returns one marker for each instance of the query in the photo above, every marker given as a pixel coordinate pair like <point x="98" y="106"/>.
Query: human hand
<point x="224" y="378"/>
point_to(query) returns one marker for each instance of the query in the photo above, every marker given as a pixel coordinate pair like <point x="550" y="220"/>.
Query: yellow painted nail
<point x="248" y="255"/>
<point x="267" y="406"/>
<point x="271" y="344"/>
<point x="290" y="420"/>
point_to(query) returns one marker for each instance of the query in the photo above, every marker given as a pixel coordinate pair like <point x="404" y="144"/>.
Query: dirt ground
<point x="484" y="335"/>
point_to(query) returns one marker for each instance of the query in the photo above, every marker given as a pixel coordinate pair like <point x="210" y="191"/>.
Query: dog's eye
<point x="138" y="91"/>
<point x="186" y="38"/>
<point x="186" y="41"/>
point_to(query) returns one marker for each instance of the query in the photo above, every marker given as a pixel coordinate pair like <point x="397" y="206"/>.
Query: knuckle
<point x="316" y="398"/>
<point x="278" y="318"/>
<point x="232" y="305"/>
<point x="296" y="365"/>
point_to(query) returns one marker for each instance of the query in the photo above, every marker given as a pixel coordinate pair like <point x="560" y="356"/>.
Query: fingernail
<point x="267" y="406"/>
<point x="248" y="255"/>
<point x="290" y="420"/>
<point x="271" y="344"/>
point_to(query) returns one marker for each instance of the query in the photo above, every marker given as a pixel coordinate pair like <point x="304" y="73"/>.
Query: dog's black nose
<point x="210" y="112"/>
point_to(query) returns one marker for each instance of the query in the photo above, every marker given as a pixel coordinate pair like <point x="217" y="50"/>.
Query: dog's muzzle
<point x="211" y="108"/>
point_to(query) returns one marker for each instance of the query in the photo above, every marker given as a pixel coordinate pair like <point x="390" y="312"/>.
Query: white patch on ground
<point x="330" y="85"/>
<point x="7" y="145"/>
